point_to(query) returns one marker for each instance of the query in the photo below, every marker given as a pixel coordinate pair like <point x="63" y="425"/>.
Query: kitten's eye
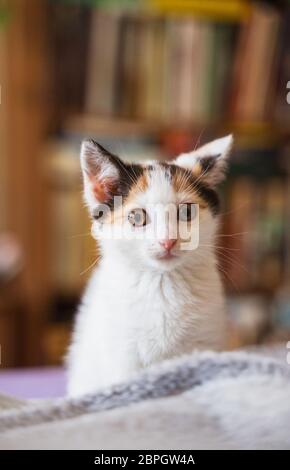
<point x="100" y="212"/>
<point x="98" y="215"/>
<point x="186" y="212"/>
<point x="138" y="217"/>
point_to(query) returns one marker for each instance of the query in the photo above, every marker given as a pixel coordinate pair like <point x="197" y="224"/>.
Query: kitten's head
<point x="159" y="215"/>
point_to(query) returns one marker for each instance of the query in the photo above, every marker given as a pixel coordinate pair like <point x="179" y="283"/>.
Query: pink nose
<point x="167" y="244"/>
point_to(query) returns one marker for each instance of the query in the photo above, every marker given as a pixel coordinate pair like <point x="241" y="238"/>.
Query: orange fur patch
<point x="140" y="186"/>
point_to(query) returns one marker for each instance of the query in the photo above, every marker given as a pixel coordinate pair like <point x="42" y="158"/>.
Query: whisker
<point x="193" y="184"/>
<point x="235" y="209"/>
<point x="220" y="247"/>
<point x="228" y="257"/>
<point x="200" y="176"/>
<point x="231" y="234"/>
<point x="234" y="262"/>
<point x="228" y="278"/>
<point x="223" y="270"/>
<point x="90" y="267"/>
<point x="199" y="137"/>
<point x="80" y="235"/>
<point x="185" y="183"/>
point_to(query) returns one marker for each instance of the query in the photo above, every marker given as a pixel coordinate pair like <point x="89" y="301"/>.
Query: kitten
<point x="149" y="298"/>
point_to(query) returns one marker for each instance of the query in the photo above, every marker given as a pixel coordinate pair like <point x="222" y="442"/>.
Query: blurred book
<point x="171" y="68"/>
<point x="256" y="65"/>
<point x="102" y="62"/>
<point x="68" y="37"/>
<point x="282" y="108"/>
<point x="161" y="68"/>
<point x="255" y="249"/>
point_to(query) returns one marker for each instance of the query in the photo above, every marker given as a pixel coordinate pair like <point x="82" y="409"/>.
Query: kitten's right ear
<point x="101" y="173"/>
<point x="209" y="162"/>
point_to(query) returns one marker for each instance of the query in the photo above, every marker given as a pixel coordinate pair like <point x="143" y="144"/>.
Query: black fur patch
<point x="209" y="195"/>
<point x="129" y="173"/>
<point x="207" y="163"/>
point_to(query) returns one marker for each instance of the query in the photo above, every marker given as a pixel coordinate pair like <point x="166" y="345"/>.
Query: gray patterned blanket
<point x="207" y="400"/>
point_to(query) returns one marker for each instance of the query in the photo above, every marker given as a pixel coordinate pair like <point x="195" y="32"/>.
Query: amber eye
<point x="138" y="217"/>
<point x="186" y="212"/>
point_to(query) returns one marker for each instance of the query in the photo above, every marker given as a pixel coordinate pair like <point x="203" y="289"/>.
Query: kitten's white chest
<point x="158" y="315"/>
<point x="146" y="309"/>
<point x="130" y="321"/>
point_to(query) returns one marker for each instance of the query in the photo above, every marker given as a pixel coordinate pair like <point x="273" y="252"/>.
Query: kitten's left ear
<point x="209" y="162"/>
<point x="101" y="173"/>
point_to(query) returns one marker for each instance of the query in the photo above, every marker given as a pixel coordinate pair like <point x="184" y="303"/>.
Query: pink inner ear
<point x="104" y="189"/>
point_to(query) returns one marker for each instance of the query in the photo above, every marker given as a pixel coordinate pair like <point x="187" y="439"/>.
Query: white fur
<point x="138" y="309"/>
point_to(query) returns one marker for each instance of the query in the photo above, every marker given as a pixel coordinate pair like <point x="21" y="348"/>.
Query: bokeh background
<point x="148" y="79"/>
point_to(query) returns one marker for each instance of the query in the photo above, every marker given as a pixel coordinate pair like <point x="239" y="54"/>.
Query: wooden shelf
<point x="87" y="124"/>
<point x="255" y="134"/>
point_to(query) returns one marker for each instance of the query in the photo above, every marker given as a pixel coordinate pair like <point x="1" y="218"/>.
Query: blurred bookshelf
<point x="151" y="80"/>
<point x="23" y="123"/>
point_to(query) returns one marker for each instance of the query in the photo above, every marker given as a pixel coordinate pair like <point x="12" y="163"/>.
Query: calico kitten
<point x="151" y="297"/>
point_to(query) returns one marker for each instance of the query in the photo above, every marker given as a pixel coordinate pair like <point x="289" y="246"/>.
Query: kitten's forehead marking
<point x="168" y="183"/>
<point x="160" y="187"/>
<point x="164" y="183"/>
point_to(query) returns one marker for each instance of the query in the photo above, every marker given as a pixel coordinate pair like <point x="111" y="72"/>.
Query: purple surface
<point x="45" y="382"/>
